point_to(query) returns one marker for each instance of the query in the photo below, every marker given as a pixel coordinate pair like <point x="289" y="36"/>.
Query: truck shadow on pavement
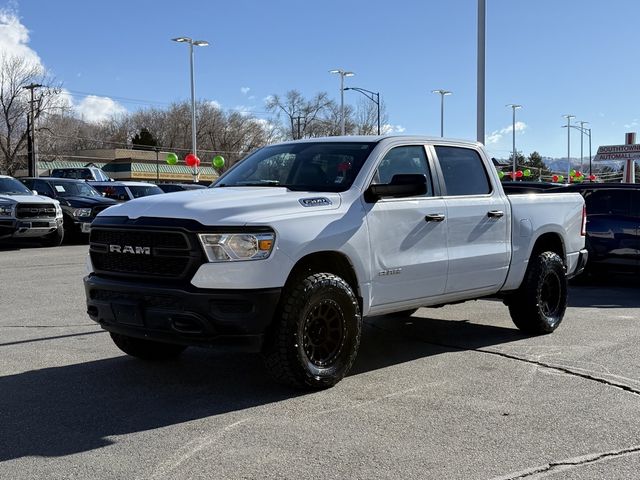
<point x="76" y="408"/>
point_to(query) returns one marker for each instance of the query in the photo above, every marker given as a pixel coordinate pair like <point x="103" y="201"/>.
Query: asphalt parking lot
<point x="454" y="392"/>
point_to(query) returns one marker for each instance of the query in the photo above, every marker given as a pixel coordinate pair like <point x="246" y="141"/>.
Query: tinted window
<point x="113" y="191"/>
<point x="70" y="189"/>
<point x="43" y="188"/>
<point x="404" y="160"/>
<point x="463" y="171"/>
<point x="608" y="202"/>
<point x="11" y="186"/>
<point x="319" y="167"/>
<point x="144" y="190"/>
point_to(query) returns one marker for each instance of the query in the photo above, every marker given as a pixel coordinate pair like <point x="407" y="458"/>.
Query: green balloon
<point x="560" y="178"/>
<point x="527" y="172"/>
<point x="572" y="172"/>
<point x="172" y="158"/>
<point x="501" y="174"/>
<point x="218" y="161"/>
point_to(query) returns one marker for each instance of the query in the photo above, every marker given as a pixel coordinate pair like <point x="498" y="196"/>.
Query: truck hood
<point x="227" y="205"/>
<point x="78" y="201"/>
<point x="26" y="199"/>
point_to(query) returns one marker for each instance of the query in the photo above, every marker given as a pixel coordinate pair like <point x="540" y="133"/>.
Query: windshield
<point x="144" y="190"/>
<point x="11" y="186"/>
<point x="314" y="167"/>
<point x="71" y="189"/>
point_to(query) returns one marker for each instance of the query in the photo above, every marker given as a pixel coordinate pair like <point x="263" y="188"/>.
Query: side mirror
<point x="402" y="185"/>
<point x="35" y="192"/>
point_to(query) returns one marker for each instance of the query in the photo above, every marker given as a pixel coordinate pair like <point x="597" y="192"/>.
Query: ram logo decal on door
<point x="135" y="250"/>
<point x="393" y="271"/>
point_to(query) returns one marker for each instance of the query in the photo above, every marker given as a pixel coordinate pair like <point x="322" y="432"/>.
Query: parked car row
<point x="613" y="222"/>
<point x="49" y="209"/>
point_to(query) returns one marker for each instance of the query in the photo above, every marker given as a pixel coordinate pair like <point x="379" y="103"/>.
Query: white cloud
<point x="96" y="109"/>
<point x="267" y="99"/>
<point x="245" y="90"/>
<point x="244" y="109"/>
<point x="388" y="129"/>
<point x="215" y="104"/>
<point x="633" y="124"/>
<point x="14" y="38"/>
<point x="497" y="135"/>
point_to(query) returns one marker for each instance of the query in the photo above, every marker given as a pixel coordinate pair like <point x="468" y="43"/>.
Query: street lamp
<point x="582" y="129"/>
<point x="514" y="107"/>
<point x="569" y="117"/>
<point x="32" y="166"/>
<point x="587" y="132"/>
<point x="373" y="96"/>
<point x="192" y="43"/>
<point x="342" y="74"/>
<point x="442" y="93"/>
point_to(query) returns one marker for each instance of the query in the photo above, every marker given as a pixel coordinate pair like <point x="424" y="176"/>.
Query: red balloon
<point x="592" y="177"/>
<point x="555" y="178"/>
<point x="191" y="160"/>
<point x="519" y="173"/>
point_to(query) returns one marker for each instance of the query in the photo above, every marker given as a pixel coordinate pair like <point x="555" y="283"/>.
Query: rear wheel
<point x="539" y="304"/>
<point x="146" y="349"/>
<point x="316" y="333"/>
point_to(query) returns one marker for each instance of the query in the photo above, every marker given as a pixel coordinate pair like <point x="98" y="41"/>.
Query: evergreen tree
<point x="144" y="140"/>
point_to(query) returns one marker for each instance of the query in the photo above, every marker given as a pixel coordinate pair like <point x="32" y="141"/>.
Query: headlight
<point x="6" y="209"/>
<point x="58" y="210"/>
<point x="233" y="247"/>
<point x="81" y="212"/>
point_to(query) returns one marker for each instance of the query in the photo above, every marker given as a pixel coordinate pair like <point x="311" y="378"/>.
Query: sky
<point x="553" y="57"/>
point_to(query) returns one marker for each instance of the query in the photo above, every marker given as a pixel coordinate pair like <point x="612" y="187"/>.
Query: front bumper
<point x="185" y="315"/>
<point x="35" y="227"/>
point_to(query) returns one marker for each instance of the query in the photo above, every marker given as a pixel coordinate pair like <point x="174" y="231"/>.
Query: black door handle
<point x="495" y="214"/>
<point x="434" y="217"/>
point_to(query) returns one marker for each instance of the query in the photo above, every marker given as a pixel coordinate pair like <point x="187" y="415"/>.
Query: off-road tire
<point x="53" y="239"/>
<point x="539" y="304"/>
<point x="315" y="335"/>
<point x="146" y="349"/>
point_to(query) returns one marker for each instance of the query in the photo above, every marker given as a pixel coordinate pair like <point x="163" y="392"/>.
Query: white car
<point x="23" y="214"/>
<point x="296" y="243"/>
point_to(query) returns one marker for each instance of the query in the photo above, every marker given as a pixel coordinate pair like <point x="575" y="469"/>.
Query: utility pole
<point x="298" y="118"/>
<point x="33" y="157"/>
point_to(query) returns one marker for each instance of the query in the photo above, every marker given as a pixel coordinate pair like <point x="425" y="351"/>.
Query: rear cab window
<point x="463" y="171"/>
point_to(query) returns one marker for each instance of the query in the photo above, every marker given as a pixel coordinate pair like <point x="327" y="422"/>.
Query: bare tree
<point x="301" y="116"/>
<point x="15" y="74"/>
<point x="366" y="117"/>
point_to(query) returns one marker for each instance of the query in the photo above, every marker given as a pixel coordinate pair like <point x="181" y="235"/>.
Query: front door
<point x="407" y="235"/>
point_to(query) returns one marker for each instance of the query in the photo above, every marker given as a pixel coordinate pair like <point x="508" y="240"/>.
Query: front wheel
<point x="316" y="333"/>
<point x="539" y="304"/>
<point x="146" y="349"/>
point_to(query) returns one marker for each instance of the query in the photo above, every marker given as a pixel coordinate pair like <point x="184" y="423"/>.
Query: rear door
<point x="478" y="222"/>
<point x="407" y="235"/>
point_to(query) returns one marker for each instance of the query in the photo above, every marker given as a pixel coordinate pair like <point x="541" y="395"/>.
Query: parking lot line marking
<point x="50" y="338"/>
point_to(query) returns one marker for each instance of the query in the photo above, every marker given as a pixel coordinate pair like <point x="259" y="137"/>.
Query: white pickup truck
<point x="294" y="245"/>
<point x="23" y="214"/>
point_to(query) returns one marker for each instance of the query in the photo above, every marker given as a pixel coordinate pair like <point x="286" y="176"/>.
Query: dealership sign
<point x="618" y="152"/>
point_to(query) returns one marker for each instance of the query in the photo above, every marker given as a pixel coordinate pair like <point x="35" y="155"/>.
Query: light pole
<point x="373" y="96"/>
<point x="342" y="74"/>
<point x="587" y="132"/>
<point x="442" y="93"/>
<point x="197" y="43"/>
<point x="32" y="167"/>
<point x="482" y="9"/>
<point x="569" y="117"/>
<point x="514" y="107"/>
<point x="582" y="129"/>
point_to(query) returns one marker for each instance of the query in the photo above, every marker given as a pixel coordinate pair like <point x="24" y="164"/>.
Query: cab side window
<point x="404" y="160"/>
<point x="463" y="171"/>
<point x="43" y="188"/>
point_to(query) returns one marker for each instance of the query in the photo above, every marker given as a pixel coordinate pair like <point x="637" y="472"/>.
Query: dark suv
<point x="80" y="202"/>
<point x="613" y="225"/>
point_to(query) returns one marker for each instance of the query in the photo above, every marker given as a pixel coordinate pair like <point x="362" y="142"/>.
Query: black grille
<point x="35" y="210"/>
<point x="149" y="254"/>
